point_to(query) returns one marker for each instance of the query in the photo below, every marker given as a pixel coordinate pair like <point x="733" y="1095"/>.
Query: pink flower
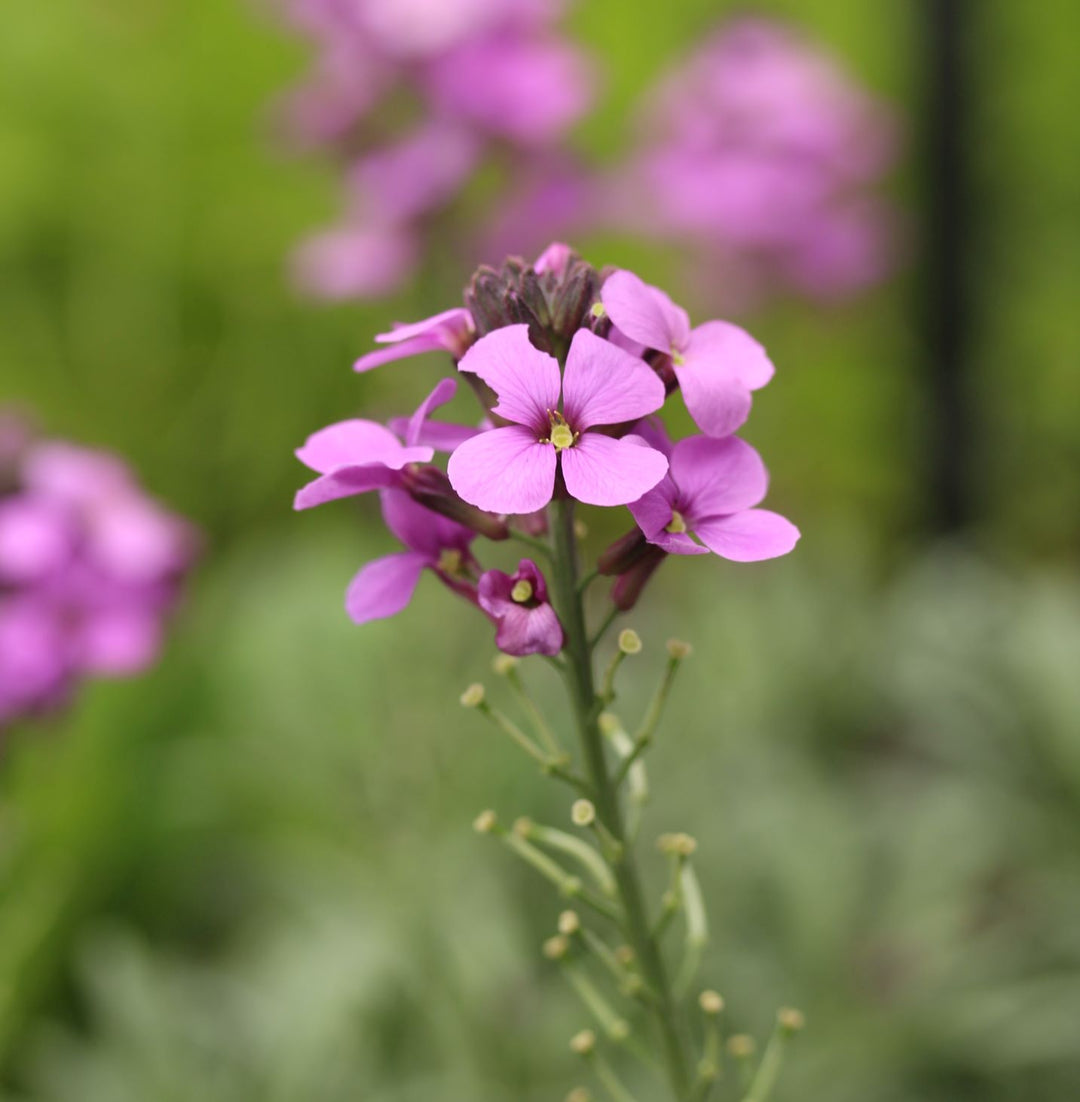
<point x="353" y="457"/>
<point x="717" y="364"/>
<point x="451" y="331"/>
<point x="513" y="469"/>
<point x="518" y="603"/>
<point x="384" y="587"/>
<point x="710" y="491"/>
<point x="351" y="261"/>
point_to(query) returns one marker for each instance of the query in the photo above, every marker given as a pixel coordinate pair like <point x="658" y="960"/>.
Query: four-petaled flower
<point x="518" y="603"/>
<point x="711" y="490"/>
<point x="717" y="364"/>
<point x="385" y="586"/>
<point x="512" y="469"/>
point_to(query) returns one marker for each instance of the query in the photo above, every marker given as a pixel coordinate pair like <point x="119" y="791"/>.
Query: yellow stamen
<point x="522" y="591"/>
<point x="562" y="437"/>
<point x="677" y="358"/>
<point x="450" y="562"/>
<point x="676" y="526"/>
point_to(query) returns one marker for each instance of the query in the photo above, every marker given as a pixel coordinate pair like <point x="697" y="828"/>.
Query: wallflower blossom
<point x="452" y="331"/>
<point x="512" y="469"/>
<point x="385" y="586"/>
<point x="717" y="364"/>
<point x="90" y="569"/>
<point x="760" y="155"/>
<point x="711" y="491"/>
<point x="490" y="82"/>
<point x="519" y="605"/>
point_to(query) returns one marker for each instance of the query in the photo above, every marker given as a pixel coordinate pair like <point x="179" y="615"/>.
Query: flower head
<point x="518" y="603"/>
<point x="711" y="491"/>
<point x="717" y="364"/>
<point x="513" y="468"/>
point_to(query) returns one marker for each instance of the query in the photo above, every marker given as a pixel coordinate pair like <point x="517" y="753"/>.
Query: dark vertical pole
<point x="947" y="261"/>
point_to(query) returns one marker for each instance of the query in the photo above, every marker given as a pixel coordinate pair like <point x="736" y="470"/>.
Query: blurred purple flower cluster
<point x="571" y="367"/>
<point x="89" y="569"/>
<point x="414" y="97"/>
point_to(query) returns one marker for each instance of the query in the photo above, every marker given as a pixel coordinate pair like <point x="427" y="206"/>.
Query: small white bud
<point x="503" y="664"/>
<point x="583" y="1043"/>
<point x="485" y="822"/>
<point x="791" y="1020"/>
<point x="555" y="948"/>
<point x="678" y="649"/>
<point x="583" y="813"/>
<point x="569" y="923"/>
<point x="629" y="641"/>
<point x="741" y="1046"/>
<point x="711" y="1003"/>
<point x="473" y="696"/>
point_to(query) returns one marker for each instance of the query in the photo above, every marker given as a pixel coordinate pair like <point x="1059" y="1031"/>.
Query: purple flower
<point x="717" y="364"/>
<point x="385" y="586"/>
<point x="512" y="469"/>
<point x="451" y="331"/>
<point x="350" y="261"/>
<point x="353" y="457"/>
<point x="518" y="603"/>
<point x="710" y="491"/>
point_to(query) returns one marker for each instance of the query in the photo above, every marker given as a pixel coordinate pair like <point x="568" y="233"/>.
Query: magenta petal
<point x="653" y="510"/>
<point x="718" y="402"/>
<point x="442" y="436"/>
<point x="504" y="470"/>
<point x="444" y="390"/>
<point x="524" y="631"/>
<point x="599" y="470"/>
<point x="603" y="385"/>
<point x="645" y="313"/>
<point x="344" y="482"/>
<point x="717" y="476"/>
<point x="555" y="258"/>
<point x="727" y="347"/>
<point x="748" y="536"/>
<point x="352" y="443"/>
<point x="117" y="642"/>
<point x="525" y="379"/>
<point x="384" y="587"/>
<point x="449" y="330"/>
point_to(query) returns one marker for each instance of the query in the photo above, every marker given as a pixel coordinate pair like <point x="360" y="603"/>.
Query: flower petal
<point x="345" y="482"/>
<point x="504" y="470"/>
<point x="525" y="631"/>
<point x="600" y="470"/>
<point x="603" y="385"/>
<point x="444" y="390"/>
<point x="356" y="443"/>
<point x="748" y="536"/>
<point x="716" y="477"/>
<point x="384" y="587"/>
<point x="644" y="313"/>
<point x="732" y="350"/>
<point x="718" y="402"/>
<point x="525" y="379"/>
<point x="449" y="330"/>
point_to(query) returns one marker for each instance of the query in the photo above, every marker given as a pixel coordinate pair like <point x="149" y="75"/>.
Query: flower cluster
<point x="760" y="152"/>
<point x="571" y="367"/>
<point x="482" y="80"/>
<point x="89" y="569"/>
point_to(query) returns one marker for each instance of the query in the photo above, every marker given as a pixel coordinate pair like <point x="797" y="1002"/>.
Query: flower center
<point x="677" y="358"/>
<point x="562" y="436"/>
<point x="450" y="562"/>
<point x="522" y="591"/>
<point x="677" y="525"/>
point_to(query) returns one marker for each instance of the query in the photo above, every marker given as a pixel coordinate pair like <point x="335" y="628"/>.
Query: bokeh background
<point x="250" y="873"/>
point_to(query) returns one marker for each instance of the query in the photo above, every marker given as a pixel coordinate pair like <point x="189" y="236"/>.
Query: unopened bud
<point x="583" y="813"/>
<point x="623" y="553"/>
<point x="555" y="948"/>
<point x="583" y="1043"/>
<point x="791" y="1020"/>
<point x="619" y="1030"/>
<point x="523" y="827"/>
<point x="629" y="641"/>
<point x="676" y="845"/>
<point x="678" y="649"/>
<point x="741" y="1046"/>
<point x="473" y="696"/>
<point x="569" y="923"/>
<point x="485" y="822"/>
<point x="711" y="1002"/>
<point x="503" y="664"/>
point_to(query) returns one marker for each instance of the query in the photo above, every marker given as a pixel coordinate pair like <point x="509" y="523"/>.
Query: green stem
<point x="586" y="707"/>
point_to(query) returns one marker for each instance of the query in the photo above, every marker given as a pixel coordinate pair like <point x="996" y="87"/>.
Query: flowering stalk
<point x="570" y="366"/>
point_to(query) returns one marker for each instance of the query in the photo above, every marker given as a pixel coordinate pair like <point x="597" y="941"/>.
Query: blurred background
<point x="250" y="874"/>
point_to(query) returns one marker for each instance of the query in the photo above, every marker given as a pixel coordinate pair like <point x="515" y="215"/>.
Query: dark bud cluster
<point x="555" y="303"/>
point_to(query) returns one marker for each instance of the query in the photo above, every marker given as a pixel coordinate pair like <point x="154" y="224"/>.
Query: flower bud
<point x="629" y="641"/>
<point x="473" y="696"/>
<point x="504" y="664"/>
<point x="630" y="585"/>
<point x="523" y="827"/>
<point x="676" y="845"/>
<point x="555" y="948"/>
<point x="678" y="649"/>
<point x="623" y="553"/>
<point x="583" y="813"/>
<point x="583" y="1043"/>
<point x="624" y="954"/>
<point x="711" y="1003"/>
<point x="579" y="1094"/>
<point x="741" y="1046"/>
<point x="790" y="1020"/>
<point x="569" y="923"/>
<point x="485" y="822"/>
